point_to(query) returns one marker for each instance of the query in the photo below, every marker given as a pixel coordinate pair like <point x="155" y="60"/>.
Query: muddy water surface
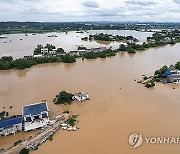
<point x="118" y="105"/>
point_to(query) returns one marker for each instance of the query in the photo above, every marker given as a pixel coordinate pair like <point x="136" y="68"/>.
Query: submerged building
<point x="172" y="75"/>
<point x="35" y="116"/>
<point x="10" y="125"/>
<point x="80" y="96"/>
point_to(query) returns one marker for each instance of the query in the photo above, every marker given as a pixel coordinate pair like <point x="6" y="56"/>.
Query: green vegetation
<point x="72" y="120"/>
<point x="177" y="65"/>
<point x="110" y="37"/>
<point x="7" y="63"/>
<point x="102" y="54"/>
<point x="37" y="50"/>
<point x="81" y="48"/>
<point x="84" y="38"/>
<point x="68" y="59"/>
<point x="150" y="84"/>
<point x="63" y="98"/>
<point x="44" y="27"/>
<point x="50" y="46"/>
<point x="60" y="50"/>
<point x="158" y="73"/>
<point x="24" y="151"/>
<point x="17" y="142"/>
<point x="50" y="138"/>
<point x="66" y="111"/>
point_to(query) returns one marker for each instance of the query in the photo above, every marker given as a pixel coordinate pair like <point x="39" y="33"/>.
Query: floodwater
<point x="19" y="45"/>
<point x="118" y="106"/>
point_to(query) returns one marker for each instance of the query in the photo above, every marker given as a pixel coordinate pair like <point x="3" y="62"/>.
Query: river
<point x="118" y="106"/>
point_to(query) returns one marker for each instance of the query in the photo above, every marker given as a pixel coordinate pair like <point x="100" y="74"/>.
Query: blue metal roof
<point x="167" y="72"/>
<point x="35" y="109"/>
<point x="10" y="122"/>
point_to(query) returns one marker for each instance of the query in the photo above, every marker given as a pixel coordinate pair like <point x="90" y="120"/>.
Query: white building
<point x="10" y="125"/>
<point x="35" y="115"/>
<point x="81" y="96"/>
<point x="38" y="56"/>
<point x="53" y="51"/>
<point x="44" y="50"/>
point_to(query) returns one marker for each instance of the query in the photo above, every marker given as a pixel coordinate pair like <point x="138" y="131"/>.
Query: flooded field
<point x="117" y="107"/>
<point x="68" y="41"/>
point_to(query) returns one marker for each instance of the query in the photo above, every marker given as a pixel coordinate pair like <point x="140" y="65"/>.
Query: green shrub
<point x="63" y="97"/>
<point x="24" y="151"/>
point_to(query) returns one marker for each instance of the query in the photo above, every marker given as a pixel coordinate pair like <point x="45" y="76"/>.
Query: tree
<point x="130" y="50"/>
<point x="81" y="47"/>
<point x="37" y="50"/>
<point x="68" y="59"/>
<point x="122" y="47"/>
<point x="63" y="97"/>
<point x="50" y="46"/>
<point x="60" y="50"/>
<point x="24" y="151"/>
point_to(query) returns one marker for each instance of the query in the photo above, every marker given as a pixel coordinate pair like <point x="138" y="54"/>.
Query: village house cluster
<point x="33" y="116"/>
<point x="54" y="52"/>
<point x="172" y="75"/>
<point x="84" y="51"/>
<point x="49" y="53"/>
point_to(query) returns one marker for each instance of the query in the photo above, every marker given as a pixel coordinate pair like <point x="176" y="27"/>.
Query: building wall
<point x="11" y="130"/>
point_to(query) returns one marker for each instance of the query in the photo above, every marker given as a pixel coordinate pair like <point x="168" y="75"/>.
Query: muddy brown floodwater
<point x="117" y="107"/>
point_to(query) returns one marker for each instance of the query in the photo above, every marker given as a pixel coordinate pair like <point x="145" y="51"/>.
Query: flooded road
<point x="19" y="45"/>
<point x="117" y="107"/>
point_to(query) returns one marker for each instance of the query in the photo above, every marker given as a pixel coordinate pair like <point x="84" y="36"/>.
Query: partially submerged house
<point x="81" y="96"/>
<point x="84" y="51"/>
<point x="172" y="75"/>
<point x="10" y="125"/>
<point x="51" y="53"/>
<point x="74" y="53"/>
<point x="98" y="49"/>
<point x="35" y="115"/>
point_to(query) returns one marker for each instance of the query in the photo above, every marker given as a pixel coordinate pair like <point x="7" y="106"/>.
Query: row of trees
<point x="102" y="54"/>
<point x="132" y="47"/>
<point x="109" y="37"/>
<point x="7" y="63"/>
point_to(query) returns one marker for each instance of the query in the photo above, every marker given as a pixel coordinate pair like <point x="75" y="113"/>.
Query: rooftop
<point x="10" y="121"/>
<point x="35" y="109"/>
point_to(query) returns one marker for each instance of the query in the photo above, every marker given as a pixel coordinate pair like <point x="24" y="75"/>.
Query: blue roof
<point x="35" y="109"/>
<point x="167" y="72"/>
<point x="10" y="122"/>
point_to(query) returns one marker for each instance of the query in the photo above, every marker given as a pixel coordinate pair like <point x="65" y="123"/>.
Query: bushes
<point x="160" y="71"/>
<point x="72" y="120"/>
<point x="17" y="142"/>
<point x="63" y="97"/>
<point x="24" y="151"/>
<point x="68" y="59"/>
<point x="7" y="63"/>
<point x="90" y="55"/>
<point x="150" y="84"/>
<point x="130" y="50"/>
